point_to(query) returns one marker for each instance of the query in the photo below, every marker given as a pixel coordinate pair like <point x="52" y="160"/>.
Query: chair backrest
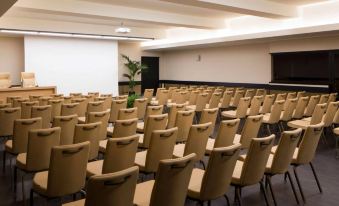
<point x="125" y="128"/>
<point x="291" y="105"/>
<point x="237" y="95"/>
<point x="26" y="109"/>
<point x="300" y="108"/>
<point x="255" y="105"/>
<point x="33" y="98"/>
<point x="324" y="98"/>
<point x="67" y="125"/>
<point x="260" y="92"/>
<point x="162" y="97"/>
<point x="44" y="100"/>
<point x="256" y="159"/>
<point x="28" y="79"/>
<point x="75" y="94"/>
<point x="268" y="102"/>
<point x="314" y="100"/>
<point x="141" y="105"/>
<point x="102" y="117"/>
<point x="95" y="94"/>
<point x="120" y="97"/>
<point x="193" y="97"/>
<point x="88" y="132"/>
<point x="81" y="112"/>
<point x="171" y="182"/>
<point x="161" y="147"/>
<point x="243" y="105"/>
<point x="226" y="99"/>
<point x="309" y="143"/>
<point x="107" y="102"/>
<point x="330" y="113"/>
<point x="332" y="97"/>
<point x="172" y="114"/>
<point x="69" y="109"/>
<point x="180" y="97"/>
<point x="197" y="140"/>
<point x="7" y="118"/>
<point x="40" y="143"/>
<point x="318" y="113"/>
<point x="209" y="115"/>
<point x="116" y="189"/>
<point x="291" y="95"/>
<point x="184" y="122"/>
<point x="336" y="118"/>
<point x="10" y="99"/>
<point x="5" y="105"/>
<point x="67" y="170"/>
<point x="148" y="93"/>
<point x="97" y="106"/>
<point x="249" y="93"/>
<point x="202" y="100"/>
<point x="226" y="133"/>
<point x="116" y="106"/>
<point x="120" y="153"/>
<point x="154" y="122"/>
<point x="5" y="80"/>
<point x="276" y="112"/>
<point x="45" y="112"/>
<point x="283" y="156"/>
<point x="281" y="96"/>
<point x="250" y="130"/>
<point x="17" y="102"/>
<point x="56" y="107"/>
<point x="129" y="113"/>
<point x="301" y="94"/>
<point x="153" y="110"/>
<point x="218" y="175"/>
<point x="20" y="133"/>
<point x="67" y="100"/>
<point x="57" y="96"/>
<point x="215" y="100"/>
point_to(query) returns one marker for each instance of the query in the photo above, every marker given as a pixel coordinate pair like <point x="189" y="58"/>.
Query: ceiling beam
<point x="262" y="8"/>
<point x="107" y="11"/>
<point x="5" y="5"/>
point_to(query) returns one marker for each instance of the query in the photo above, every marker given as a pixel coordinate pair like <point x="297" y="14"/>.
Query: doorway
<point x="150" y="76"/>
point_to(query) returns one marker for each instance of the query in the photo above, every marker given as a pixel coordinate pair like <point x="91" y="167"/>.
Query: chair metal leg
<point x="337" y="146"/>
<point x="4" y="162"/>
<point x="292" y="185"/>
<point x="23" y="189"/>
<point x="268" y="129"/>
<point x="237" y="195"/>
<point x="209" y="202"/>
<point x="203" y="164"/>
<point x="264" y="192"/>
<point x="227" y="200"/>
<point x="15" y="178"/>
<point x="298" y="182"/>
<point x="31" y="200"/>
<point x="268" y="178"/>
<point x="316" y="178"/>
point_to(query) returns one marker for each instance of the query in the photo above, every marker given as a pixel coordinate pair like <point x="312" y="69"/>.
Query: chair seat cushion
<point x="191" y="107"/>
<point x="75" y="203"/>
<point x="229" y="114"/>
<point x="154" y="102"/>
<point x="266" y="118"/>
<point x="9" y="146"/>
<point x="269" y="163"/>
<point x="195" y="183"/>
<point x="21" y="161"/>
<point x="209" y="146"/>
<point x="237" y="139"/>
<point x="295" y="154"/>
<point x="110" y="131"/>
<point x="40" y="181"/>
<point x="179" y="150"/>
<point x="102" y="146"/>
<point x="81" y="120"/>
<point x="336" y="131"/>
<point x="143" y="193"/>
<point x="94" y="168"/>
<point x="140" y="160"/>
<point x="141" y="140"/>
<point x="237" y="172"/>
<point x="298" y="124"/>
<point x="140" y="127"/>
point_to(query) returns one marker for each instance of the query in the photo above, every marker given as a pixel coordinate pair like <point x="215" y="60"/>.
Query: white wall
<point x="73" y="65"/>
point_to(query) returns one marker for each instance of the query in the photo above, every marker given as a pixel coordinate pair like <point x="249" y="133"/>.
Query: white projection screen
<point x="73" y="64"/>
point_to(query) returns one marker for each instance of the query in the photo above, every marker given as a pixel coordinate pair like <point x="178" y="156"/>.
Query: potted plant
<point x="134" y="68"/>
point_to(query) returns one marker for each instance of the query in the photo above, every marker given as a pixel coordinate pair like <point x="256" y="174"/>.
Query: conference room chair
<point x="90" y="98"/>
<point x="116" y="189"/>
<point x="7" y="118"/>
<point x="172" y="114"/>
<point x="291" y="95"/>
<point x="121" y="97"/>
<point x="287" y="114"/>
<point x="75" y="94"/>
<point x="33" y="98"/>
<point x="316" y="118"/>
<point x="196" y="142"/>
<point x="209" y="115"/>
<point x="106" y="95"/>
<point x="151" y="110"/>
<point x="128" y="113"/>
<point x="192" y="100"/>
<point x="95" y="94"/>
<point x="209" y="92"/>
<point x="56" y="107"/>
<point x="250" y="130"/>
<point x="154" y="122"/>
<point x="183" y="122"/>
<point x="141" y="105"/>
<point x="88" y="132"/>
<point x="273" y="118"/>
<point x="69" y="109"/>
<point x="43" y="101"/>
<point x="255" y="105"/>
<point x="241" y="110"/>
<point x="37" y="157"/>
<point x="260" y="92"/>
<point x="57" y="96"/>
<point x="314" y="100"/>
<point x="161" y="98"/>
<point x="301" y="94"/>
<point x="81" y="109"/>
<point x="102" y="117"/>
<point x="237" y="95"/>
<point x="67" y="99"/>
<point x="148" y="93"/>
<point x="267" y="104"/>
<point x="170" y="185"/>
<point x="279" y="162"/>
<point x="324" y="98"/>
<point x="225" y="136"/>
<point x="336" y="132"/>
<point x="219" y="90"/>
<point x="5" y="80"/>
<point x="225" y="100"/>
<point x="66" y="174"/>
<point x="120" y="154"/>
<point x="67" y="125"/>
<point x="28" y="79"/>
<point x="171" y="90"/>
<point x="92" y="107"/>
<point x="17" y="102"/>
<point x="161" y="146"/>
<point x="201" y="102"/>
<point x="332" y="97"/>
<point x="305" y="153"/>
<point x="300" y="108"/>
<point x="115" y="107"/>
<point x="45" y="112"/>
<point x="107" y="102"/>
<point x="250" y="93"/>
<point x="281" y="96"/>
<point x="251" y="170"/>
<point x="10" y="99"/>
<point x="214" y="101"/>
<point x="214" y="182"/>
<point x="5" y="105"/>
<point x="18" y="144"/>
<point x="179" y="97"/>
<point x="26" y="109"/>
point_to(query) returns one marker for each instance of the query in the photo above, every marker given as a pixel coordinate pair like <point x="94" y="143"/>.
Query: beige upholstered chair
<point x="26" y="109"/>
<point x="154" y="122"/>
<point x="170" y="185"/>
<point x="300" y="108"/>
<point x="316" y="118"/>
<point x="88" y="132"/>
<point x="184" y="121"/>
<point x="81" y="110"/>
<point x="249" y="131"/>
<point x="193" y="97"/>
<point x="69" y="109"/>
<point x="120" y="154"/>
<point x="226" y="100"/>
<point x="102" y="117"/>
<point x="107" y="101"/>
<point x="10" y="99"/>
<point x="178" y="97"/>
<point x="45" y="112"/>
<point x="202" y="100"/>
<point x="255" y="105"/>
<point x="301" y="94"/>
<point x="68" y="100"/>
<point x="116" y="106"/>
<point x="20" y="136"/>
<point x="5" y="80"/>
<point x="237" y="95"/>
<point x="5" y="105"/>
<point x="67" y="125"/>
<point x="66" y="174"/>
<point x="251" y="170"/>
<point x="161" y="146"/>
<point x="332" y="97"/>
<point x="314" y="100"/>
<point x="267" y="105"/>
<point x="274" y="117"/>
<point x="250" y="93"/>
<point x="116" y="189"/>
<point x="214" y="101"/>
<point x="121" y="97"/>
<point x="172" y="114"/>
<point x="106" y="95"/>
<point x="330" y="114"/>
<point x="97" y="106"/>
<point x="28" y="79"/>
<point x="148" y="93"/>
<point x="280" y="161"/>
<point x="95" y="94"/>
<point x="129" y="113"/>
<point x="241" y="110"/>
<point x="260" y="92"/>
<point x="225" y="136"/>
<point x="44" y="100"/>
<point x="324" y="98"/>
<point x="40" y="143"/>
<point x="291" y="95"/>
<point x="56" y="107"/>
<point x="17" y="102"/>
<point x="287" y="114"/>
<point x="161" y="97"/>
<point x="7" y="118"/>
<point x="209" y="115"/>
<point x="151" y="110"/>
<point x="281" y="96"/>
<point x="75" y="94"/>
<point x="33" y="98"/>
<point x="141" y="105"/>
<point x="57" y="96"/>
<point x="215" y="181"/>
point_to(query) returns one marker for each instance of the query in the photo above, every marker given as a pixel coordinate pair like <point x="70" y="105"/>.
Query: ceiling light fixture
<point x="122" y="29"/>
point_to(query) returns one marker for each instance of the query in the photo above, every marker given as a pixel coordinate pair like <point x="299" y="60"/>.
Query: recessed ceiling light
<point x="122" y="29"/>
